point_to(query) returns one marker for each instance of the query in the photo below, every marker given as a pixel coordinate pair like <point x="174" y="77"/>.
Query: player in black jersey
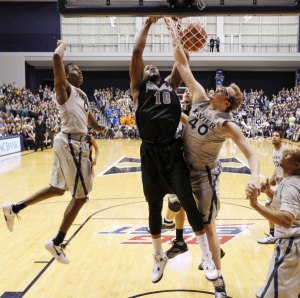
<point x="163" y="167"/>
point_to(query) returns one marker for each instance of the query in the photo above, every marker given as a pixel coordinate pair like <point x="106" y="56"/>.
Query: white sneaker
<point x="57" y="252"/>
<point x="9" y="215"/>
<point x="269" y="239"/>
<point x="209" y="267"/>
<point x="160" y="262"/>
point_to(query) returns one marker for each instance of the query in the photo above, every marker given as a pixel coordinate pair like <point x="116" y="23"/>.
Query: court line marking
<point x="110" y="166"/>
<point x="30" y="285"/>
<point x="69" y="240"/>
<point x="172" y="291"/>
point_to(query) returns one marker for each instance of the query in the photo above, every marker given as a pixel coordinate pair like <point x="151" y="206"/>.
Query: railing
<point x="167" y="48"/>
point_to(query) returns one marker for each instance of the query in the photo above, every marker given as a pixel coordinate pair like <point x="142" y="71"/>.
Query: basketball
<point x="193" y="37"/>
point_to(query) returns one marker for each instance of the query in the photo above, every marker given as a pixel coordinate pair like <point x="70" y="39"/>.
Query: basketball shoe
<point x="269" y="239"/>
<point x="166" y="225"/>
<point x="222" y="252"/>
<point x="9" y="215"/>
<point x="220" y="289"/>
<point x="57" y="251"/>
<point x="209" y="267"/>
<point x="160" y="262"/>
<point x="178" y="247"/>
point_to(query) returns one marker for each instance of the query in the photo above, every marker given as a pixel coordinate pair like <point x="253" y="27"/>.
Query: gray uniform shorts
<point x="206" y="189"/>
<point x="65" y="173"/>
<point x="283" y="278"/>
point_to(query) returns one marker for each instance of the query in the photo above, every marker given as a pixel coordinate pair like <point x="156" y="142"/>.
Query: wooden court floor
<point x="109" y="247"/>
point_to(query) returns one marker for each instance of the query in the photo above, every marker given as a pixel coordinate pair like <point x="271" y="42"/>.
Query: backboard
<point x="70" y="8"/>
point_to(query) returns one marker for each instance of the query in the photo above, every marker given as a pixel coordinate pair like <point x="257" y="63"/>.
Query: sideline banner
<point x="298" y="78"/>
<point x="219" y="78"/>
<point x="10" y="145"/>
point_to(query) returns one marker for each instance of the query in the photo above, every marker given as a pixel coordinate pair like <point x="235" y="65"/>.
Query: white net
<point x="187" y="33"/>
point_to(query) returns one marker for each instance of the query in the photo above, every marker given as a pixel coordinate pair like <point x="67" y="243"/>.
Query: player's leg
<point x="153" y="190"/>
<point x="179" y="246"/>
<point x="10" y="211"/>
<point x="155" y="205"/>
<point x="73" y="168"/>
<point x="205" y="186"/>
<point x="270" y="238"/>
<point x="214" y="245"/>
<point x="179" y="179"/>
<point x="284" y="271"/>
<point x="173" y="208"/>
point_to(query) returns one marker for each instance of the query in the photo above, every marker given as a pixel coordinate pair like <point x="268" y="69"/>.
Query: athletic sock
<point x="272" y="231"/>
<point x="18" y="207"/>
<point x="157" y="248"/>
<point x="59" y="238"/>
<point x="202" y="240"/>
<point x="179" y="235"/>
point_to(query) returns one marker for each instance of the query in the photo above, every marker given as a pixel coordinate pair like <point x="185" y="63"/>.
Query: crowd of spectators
<point x="21" y="108"/>
<point x="117" y="107"/>
<point x="258" y="116"/>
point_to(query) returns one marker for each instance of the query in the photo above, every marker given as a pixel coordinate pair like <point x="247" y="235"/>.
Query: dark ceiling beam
<point x="166" y="10"/>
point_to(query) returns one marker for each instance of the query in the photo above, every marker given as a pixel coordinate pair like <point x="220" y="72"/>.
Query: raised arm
<point x="174" y="79"/>
<point x="137" y="63"/>
<point x="182" y="65"/>
<point x="61" y="84"/>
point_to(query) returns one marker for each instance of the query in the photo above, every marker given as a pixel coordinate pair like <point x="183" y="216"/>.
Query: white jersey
<point x="277" y="157"/>
<point x="74" y="113"/>
<point x="287" y="198"/>
<point x="203" y="137"/>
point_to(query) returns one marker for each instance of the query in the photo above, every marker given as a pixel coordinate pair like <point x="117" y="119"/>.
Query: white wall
<point x="12" y="68"/>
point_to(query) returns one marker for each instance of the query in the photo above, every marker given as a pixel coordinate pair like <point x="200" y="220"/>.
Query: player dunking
<point x="163" y="167"/>
<point x="209" y="124"/>
<point x="72" y="167"/>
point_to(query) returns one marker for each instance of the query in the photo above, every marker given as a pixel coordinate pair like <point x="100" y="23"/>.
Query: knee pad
<point x="175" y="207"/>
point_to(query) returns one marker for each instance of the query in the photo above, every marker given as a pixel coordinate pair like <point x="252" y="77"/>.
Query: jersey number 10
<point x="166" y="99"/>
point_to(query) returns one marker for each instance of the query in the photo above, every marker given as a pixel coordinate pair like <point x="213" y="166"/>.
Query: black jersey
<point x="158" y="112"/>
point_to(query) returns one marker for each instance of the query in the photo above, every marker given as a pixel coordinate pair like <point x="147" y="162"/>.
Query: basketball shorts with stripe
<point x="283" y="278"/>
<point x="64" y="169"/>
<point x="206" y="189"/>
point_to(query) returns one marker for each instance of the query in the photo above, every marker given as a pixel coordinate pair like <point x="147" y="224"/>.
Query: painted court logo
<point x="140" y="235"/>
<point x="127" y="165"/>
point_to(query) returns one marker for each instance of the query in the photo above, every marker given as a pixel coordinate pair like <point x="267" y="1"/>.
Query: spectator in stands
<point x="118" y="133"/>
<point x="40" y="130"/>
<point x="28" y="141"/>
<point x="217" y="43"/>
<point x="211" y="44"/>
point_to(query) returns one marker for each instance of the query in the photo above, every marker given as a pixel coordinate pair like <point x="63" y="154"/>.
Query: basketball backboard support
<point x="71" y="8"/>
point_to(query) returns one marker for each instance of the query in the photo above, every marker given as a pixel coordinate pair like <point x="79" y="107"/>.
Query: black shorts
<point x="164" y="170"/>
